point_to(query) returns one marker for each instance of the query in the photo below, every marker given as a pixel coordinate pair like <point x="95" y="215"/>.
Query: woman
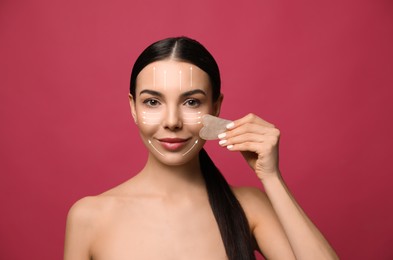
<point x="180" y="206"/>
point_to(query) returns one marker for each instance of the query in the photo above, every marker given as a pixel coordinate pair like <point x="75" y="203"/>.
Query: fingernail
<point x="230" y="125"/>
<point x="221" y="142"/>
<point x="230" y="147"/>
<point x="220" y="136"/>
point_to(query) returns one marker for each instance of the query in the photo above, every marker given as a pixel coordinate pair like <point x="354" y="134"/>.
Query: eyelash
<point x="151" y="102"/>
<point x="148" y="102"/>
<point x="197" y="102"/>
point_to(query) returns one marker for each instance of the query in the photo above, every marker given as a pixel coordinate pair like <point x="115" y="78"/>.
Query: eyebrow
<point x="151" y="92"/>
<point x="192" y="92"/>
<point x="185" y="94"/>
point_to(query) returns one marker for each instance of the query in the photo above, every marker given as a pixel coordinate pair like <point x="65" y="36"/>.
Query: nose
<point x="172" y="120"/>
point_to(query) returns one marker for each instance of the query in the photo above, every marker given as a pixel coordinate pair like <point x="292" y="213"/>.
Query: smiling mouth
<point x="173" y="144"/>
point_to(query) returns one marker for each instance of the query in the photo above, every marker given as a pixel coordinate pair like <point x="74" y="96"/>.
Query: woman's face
<point x="171" y="97"/>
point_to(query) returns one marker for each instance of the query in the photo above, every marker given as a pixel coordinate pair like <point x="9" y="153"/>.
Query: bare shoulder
<point x="250" y="196"/>
<point x="84" y="213"/>
<point x="81" y="228"/>
<point x="87" y="218"/>
<point x="89" y="209"/>
<point x="254" y="202"/>
<point x="84" y="209"/>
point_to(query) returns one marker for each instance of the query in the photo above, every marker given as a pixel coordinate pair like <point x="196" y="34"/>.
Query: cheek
<point x="149" y="122"/>
<point x="148" y="130"/>
<point x="150" y="118"/>
<point x="192" y="118"/>
<point x="192" y="121"/>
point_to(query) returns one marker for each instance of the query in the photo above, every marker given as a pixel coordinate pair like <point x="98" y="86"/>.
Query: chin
<point x="176" y="158"/>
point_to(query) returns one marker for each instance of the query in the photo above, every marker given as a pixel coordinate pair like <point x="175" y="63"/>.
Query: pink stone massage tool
<point x="212" y="127"/>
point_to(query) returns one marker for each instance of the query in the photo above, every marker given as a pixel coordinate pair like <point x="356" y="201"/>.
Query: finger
<point x="243" y="138"/>
<point x="260" y="140"/>
<point x="264" y="147"/>
<point x="250" y="128"/>
<point x="249" y="118"/>
<point x="246" y="147"/>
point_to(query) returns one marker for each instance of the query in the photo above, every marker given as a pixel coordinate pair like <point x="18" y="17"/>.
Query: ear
<point x="217" y="105"/>
<point x="132" y="106"/>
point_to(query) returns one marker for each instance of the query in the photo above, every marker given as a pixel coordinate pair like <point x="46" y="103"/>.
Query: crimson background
<point x="320" y="70"/>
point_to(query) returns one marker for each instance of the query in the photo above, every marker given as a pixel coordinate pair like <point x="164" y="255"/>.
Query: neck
<point x="172" y="179"/>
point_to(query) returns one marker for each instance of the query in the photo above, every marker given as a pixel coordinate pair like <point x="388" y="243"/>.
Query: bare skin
<point x="145" y="218"/>
<point x="163" y="212"/>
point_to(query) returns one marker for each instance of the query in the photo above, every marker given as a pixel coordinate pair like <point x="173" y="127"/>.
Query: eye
<point x="151" y="102"/>
<point x="192" y="102"/>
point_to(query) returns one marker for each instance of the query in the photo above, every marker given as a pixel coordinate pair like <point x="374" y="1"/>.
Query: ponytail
<point x="230" y="217"/>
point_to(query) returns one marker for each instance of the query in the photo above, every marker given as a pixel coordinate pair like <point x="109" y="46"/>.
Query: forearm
<point x="306" y="240"/>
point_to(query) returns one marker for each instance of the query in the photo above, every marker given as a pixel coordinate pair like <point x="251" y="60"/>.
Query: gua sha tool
<point x="212" y="127"/>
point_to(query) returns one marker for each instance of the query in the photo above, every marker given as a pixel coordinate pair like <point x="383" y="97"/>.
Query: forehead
<point x="172" y="74"/>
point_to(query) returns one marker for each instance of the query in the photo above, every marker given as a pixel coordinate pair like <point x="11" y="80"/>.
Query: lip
<point x="173" y="144"/>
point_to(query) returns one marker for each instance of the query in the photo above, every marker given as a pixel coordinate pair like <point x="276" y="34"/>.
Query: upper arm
<point x="265" y="226"/>
<point x="79" y="229"/>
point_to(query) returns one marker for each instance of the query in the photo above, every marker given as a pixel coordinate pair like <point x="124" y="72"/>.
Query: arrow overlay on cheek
<point x="212" y="127"/>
